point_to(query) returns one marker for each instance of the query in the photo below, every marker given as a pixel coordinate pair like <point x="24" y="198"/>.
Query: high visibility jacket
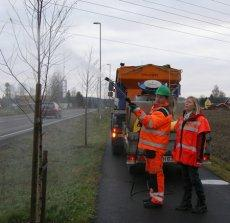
<point x="154" y="134"/>
<point x="186" y="149"/>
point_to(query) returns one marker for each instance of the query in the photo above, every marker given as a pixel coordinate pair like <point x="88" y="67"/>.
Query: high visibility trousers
<point x="154" y="169"/>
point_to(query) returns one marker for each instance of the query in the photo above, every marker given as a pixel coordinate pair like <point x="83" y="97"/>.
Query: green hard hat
<point x="163" y="90"/>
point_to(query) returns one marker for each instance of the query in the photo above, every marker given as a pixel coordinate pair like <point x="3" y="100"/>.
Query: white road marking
<point x="46" y="124"/>
<point x="214" y="182"/>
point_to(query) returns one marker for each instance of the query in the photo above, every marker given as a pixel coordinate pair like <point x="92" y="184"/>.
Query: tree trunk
<point x="33" y="207"/>
<point x="86" y="122"/>
<point x="44" y="184"/>
<point x="40" y="172"/>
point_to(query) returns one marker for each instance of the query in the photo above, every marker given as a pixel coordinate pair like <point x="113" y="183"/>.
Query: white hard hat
<point x="152" y="84"/>
<point x="149" y="85"/>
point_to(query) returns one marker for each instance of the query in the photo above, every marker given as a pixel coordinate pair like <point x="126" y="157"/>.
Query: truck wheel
<point x="117" y="150"/>
<point x="117" y="146"/>
<point x="136" y="169"/>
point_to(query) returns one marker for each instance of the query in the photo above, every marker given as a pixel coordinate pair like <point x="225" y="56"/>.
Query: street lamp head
<point x="97" y="23"/>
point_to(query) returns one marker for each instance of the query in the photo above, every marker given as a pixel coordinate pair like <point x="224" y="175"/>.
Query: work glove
<point x="128" y="100"/>
<point x="132" y="106"/>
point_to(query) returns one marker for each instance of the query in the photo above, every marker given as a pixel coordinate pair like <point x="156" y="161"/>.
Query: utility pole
<point x="98" y="23"/>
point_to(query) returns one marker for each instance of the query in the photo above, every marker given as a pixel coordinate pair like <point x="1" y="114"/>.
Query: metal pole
<point x="100" y="75"/>
<point x="109" y="78"/>
<point x="110" y="67"/>
<point x="98" y="23"/>
<point x="169" y="77"/>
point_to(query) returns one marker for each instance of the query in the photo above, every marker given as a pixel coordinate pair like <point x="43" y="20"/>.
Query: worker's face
<point x="160" y="99"/>
<point x="189" y="105"/>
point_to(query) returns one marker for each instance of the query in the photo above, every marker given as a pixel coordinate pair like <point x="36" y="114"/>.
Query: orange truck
<point x="124" y="133"/>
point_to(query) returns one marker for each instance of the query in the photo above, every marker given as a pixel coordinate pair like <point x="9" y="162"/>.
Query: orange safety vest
<point x="154" y="134"/>
<point x="185" y="150"/>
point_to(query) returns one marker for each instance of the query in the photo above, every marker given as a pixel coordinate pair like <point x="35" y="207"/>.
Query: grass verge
<point x="73" y="172"/>
<point x="220" y="168"/>
<point x="15" y="111"/>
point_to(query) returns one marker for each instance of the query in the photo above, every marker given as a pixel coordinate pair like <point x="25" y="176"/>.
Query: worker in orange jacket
<point x="191" y="129"/>
<point x="153" y="139"/>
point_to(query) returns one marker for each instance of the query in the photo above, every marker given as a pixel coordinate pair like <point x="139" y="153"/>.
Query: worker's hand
<point x="132" y="106"/>
<point x="128" y="100"/>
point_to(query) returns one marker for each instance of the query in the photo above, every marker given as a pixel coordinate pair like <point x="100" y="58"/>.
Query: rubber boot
<point x="147" y="200"/>
<point x="200" y="207"/>
<point x="149" y="204"/>
<point x="184" y="207"/>
<point x="186" y="204"/>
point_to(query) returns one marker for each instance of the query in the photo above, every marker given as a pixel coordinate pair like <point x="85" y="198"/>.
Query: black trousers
<point x="192" y="179"/>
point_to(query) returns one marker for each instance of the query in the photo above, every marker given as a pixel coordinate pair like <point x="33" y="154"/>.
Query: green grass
<point x="220" y="125"/>
<point x="220" y="144"/>
<point x="220" y="168"/>
<point x="12" y="111"/>
<point x="73" y="172"/>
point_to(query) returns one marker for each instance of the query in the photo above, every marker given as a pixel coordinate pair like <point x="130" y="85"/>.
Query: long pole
<point x="99" y="107"/>
<point x="100" y="76"/>
<point x="109" y="78"/>
<point x="169" y="77"/>
<point x="110" y="70"/>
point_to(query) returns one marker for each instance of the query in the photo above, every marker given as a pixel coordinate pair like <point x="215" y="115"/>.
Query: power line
<point x="152" y="17"/>
<point x="190" y="12"/>
<point x="152" y="25"/>
<point x="223" y="3"/>
<point x="150" y="47"/>
<point x="171" y="13"/>
<point x="203" y="7"/>
<point x="147" y="24"/>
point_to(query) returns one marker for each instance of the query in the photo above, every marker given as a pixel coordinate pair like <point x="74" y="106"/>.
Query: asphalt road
<point x="116" y="206"/>
<point x="18" y="124"/>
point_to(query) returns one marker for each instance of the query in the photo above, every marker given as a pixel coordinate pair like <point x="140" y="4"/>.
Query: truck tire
<point x="117" y="150"/>
<point x="136" y="169"/>
<point x="118" y="146"/>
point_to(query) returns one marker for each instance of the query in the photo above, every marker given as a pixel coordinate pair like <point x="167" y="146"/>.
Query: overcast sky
<point x="194" y="39"/>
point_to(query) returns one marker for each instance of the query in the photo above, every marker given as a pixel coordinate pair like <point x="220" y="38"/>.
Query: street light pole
<point x="98" y="23"/>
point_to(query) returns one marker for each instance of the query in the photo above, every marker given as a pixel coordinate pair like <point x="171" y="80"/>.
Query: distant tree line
<point x="78" y="101"/>
<point x="216" y="96"/>
<point x="74" y="100"/>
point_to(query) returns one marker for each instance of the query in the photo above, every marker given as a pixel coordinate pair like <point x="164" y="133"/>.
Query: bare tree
<point x="217" y="93"/>
<point x="7" y="93"/>
<point x="56" y="87"/>
<point x="43" y="26"/>
<point x="89" y="82"/>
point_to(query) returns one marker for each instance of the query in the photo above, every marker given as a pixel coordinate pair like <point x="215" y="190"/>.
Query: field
<point x="73" y="172"/>
<point x="12" y="111"/>
<point x="220" y="144"/>
<point x="220" y="124"/>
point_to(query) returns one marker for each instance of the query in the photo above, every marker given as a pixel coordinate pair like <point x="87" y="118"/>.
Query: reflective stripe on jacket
<point x="154" y="134"/>
<point x="186" y="145"/>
